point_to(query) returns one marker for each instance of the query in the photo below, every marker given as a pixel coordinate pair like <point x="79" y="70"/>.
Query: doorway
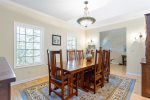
<point x="115" y="41"/>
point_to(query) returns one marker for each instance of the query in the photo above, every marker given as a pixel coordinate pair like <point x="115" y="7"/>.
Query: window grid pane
<point x="71" y="43"/>
<point x="28" y="48"/>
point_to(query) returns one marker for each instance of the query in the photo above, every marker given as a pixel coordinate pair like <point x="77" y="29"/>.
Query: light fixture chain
<point x="86" y="12"/>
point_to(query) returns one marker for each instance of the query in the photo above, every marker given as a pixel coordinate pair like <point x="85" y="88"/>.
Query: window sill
<point x="26" y="66"/>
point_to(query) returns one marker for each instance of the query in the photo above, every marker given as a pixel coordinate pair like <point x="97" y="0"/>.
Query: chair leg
<point x="103" y="80"/>
<point x="108" y="78"/>
<point x="94" y="86"/>
<point x="49" y="88"/>
<point x="77" y="84"/>
<point x="55" y="87"/>
<point x="94" y="90"/>
<point x="62" y="93"/>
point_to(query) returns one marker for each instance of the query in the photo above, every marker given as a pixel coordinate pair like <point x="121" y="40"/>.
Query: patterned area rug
<point x="119" y="88"/>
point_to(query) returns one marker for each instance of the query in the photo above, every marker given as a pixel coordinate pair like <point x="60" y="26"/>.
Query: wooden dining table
<point x="76" y="67"/>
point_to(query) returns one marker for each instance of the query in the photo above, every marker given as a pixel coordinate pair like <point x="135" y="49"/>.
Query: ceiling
<point x="105" y="11"/>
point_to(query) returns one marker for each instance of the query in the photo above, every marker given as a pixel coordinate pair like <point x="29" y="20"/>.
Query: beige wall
<point x="7" y="19"/>
<point x="135" y="48"/>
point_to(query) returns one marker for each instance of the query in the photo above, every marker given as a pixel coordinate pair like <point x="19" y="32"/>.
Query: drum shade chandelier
<point x="86" y="20"/>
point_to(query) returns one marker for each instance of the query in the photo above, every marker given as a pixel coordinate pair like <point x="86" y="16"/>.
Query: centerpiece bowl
<point x="89" y="57"/>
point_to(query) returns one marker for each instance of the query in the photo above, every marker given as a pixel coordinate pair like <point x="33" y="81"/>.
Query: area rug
<point x="118" y="88"/>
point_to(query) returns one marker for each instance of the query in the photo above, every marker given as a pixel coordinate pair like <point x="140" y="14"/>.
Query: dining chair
<point x="95" y="77"/>
<point x="106" y="64"/>
<point x="71" y="55"/>
<point x="58" y="77"/>
<point x="80" y="54"/>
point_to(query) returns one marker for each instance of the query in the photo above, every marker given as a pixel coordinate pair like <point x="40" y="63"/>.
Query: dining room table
<point x="77" y="67"/>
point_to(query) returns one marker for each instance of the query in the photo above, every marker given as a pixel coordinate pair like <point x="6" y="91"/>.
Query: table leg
<point x="82" y="79"/>
<point x="69" y="86"/>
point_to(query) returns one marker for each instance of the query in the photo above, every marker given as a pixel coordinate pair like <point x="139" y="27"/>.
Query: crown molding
<point x="38" y="15"/>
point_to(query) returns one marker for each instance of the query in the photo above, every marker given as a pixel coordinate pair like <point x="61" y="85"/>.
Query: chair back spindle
<point x="71" y="55"/>
<point x="106" y="64"/>
<point x="52" y="64"/>
<point x="80" y="54"/>
<point x="98" y="61"/>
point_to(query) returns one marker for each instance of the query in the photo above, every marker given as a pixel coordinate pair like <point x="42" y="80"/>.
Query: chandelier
<point x="86" y="20"/>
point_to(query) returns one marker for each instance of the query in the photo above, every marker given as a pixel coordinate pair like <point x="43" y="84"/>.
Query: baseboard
<point x="27" y="80"/>
<point x="134" y="74"/>
<point x="114" y="63"/>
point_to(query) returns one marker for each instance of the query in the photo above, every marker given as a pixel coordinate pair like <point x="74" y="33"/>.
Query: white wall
<point x="7" y="19"/>
<point x="135" y="49"/>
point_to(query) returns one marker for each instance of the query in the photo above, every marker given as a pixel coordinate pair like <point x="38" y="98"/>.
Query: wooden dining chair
<point x="106" y="64"/>
<point x="95" y="77"/>
<point x="80" y="54"/>
<point x="71" y="55"/>
<point x="58" y="77"/>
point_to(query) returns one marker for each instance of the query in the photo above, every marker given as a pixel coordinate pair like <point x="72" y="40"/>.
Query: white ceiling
<point x="105" y="11"/>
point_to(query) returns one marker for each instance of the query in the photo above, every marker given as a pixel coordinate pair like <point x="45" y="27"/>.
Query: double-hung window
<point x="71" y="42"/>
<point x="28" y="45"/>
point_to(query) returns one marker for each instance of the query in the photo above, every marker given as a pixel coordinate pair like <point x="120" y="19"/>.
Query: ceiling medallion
<point x="86" y="20"/>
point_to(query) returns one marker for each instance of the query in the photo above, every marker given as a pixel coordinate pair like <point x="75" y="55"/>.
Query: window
<point x="28" y="45"/>
<point x="71" y="42"/>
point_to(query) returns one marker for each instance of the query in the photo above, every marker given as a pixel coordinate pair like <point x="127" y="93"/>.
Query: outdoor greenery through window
<point x="71" y="43"/>
<point x="28" y="45"/>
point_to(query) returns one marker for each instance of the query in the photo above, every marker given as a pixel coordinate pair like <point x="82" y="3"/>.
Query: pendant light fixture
<point x="86" y="20"/>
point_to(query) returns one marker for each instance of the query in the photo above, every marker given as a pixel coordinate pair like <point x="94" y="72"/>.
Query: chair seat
<point x="90" y="74"/>
<point x="58" y="81"/>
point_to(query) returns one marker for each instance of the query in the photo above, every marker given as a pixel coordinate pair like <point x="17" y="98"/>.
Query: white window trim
<point x="15" y="44"/>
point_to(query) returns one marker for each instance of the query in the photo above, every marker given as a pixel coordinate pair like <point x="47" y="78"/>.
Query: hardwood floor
<point x="115" y="69"/>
